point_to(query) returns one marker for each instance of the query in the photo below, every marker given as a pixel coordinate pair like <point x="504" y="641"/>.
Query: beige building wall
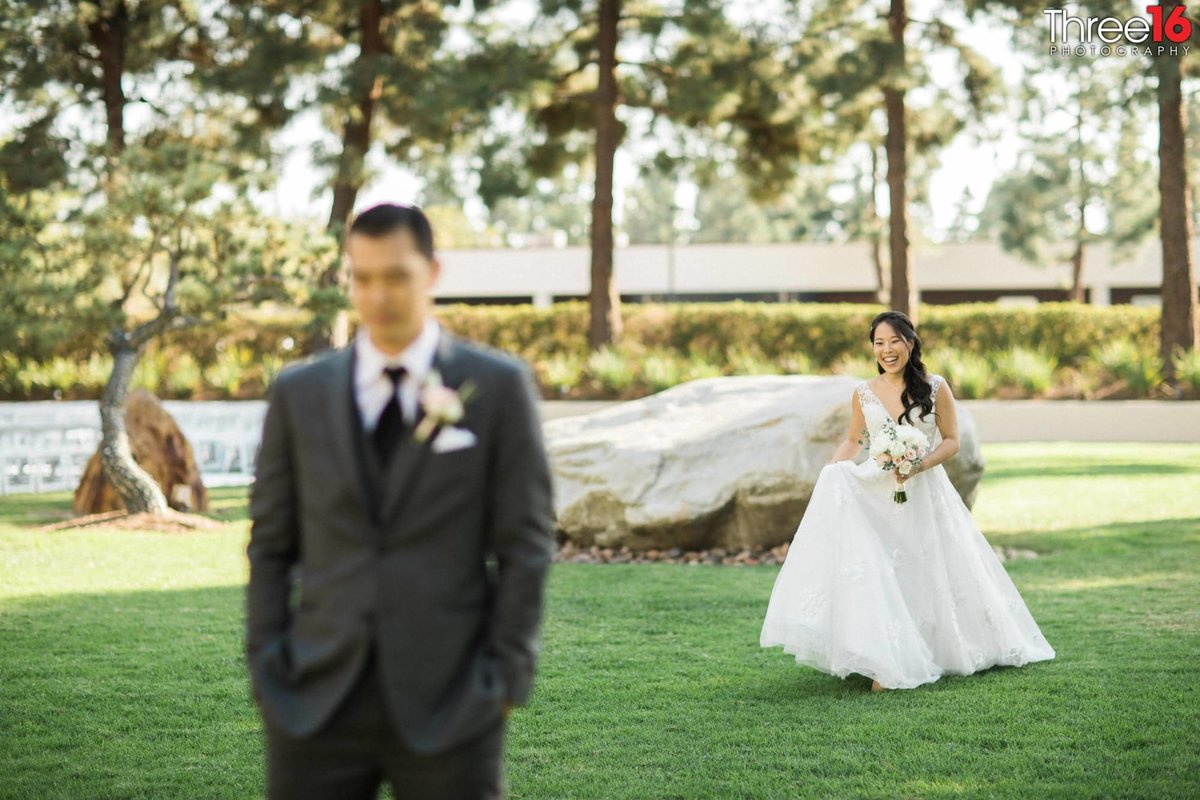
<point x="783" y="271"/>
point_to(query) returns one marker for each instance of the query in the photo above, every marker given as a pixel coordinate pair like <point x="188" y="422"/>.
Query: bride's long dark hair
<point x="918" y="390"/>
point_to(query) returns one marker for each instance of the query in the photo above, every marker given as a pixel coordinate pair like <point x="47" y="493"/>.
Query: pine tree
<point x="379" y="73"/>
<point x="588" y="65"/>
<point x="874" y="59"/>
<point x="142" y="228"/>
<point x="1180" y="319"/>
<point x="1080" y="179"/>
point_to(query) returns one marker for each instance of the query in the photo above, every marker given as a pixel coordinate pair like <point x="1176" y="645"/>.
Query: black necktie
<point x="390" y="427"/>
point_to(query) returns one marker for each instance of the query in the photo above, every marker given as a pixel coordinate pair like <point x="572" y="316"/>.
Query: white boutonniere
<point x="442" y="405"/>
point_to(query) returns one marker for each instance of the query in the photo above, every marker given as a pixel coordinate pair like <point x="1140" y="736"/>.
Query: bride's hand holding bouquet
<point x="900" y="450"/>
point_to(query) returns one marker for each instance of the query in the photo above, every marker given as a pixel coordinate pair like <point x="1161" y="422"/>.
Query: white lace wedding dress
<point x="902" y="593"/>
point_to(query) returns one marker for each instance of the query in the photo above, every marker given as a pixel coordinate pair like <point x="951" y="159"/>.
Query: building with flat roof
<point x="959" y="272"/>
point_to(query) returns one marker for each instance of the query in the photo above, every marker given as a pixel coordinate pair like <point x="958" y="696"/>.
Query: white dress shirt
<point x="373" y="388"/>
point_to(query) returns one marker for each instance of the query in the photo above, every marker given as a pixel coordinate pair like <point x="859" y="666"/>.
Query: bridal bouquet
<point x="900" y="448"/>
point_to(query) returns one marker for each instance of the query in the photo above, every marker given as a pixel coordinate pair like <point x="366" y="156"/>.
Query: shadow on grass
<point x="1156" y="541"/>
<point x="35" y="509"/>
<point x="229" y="503"/>
<point x="1086" y="470"/>
<point x="226" y="503"/>
<point x="806" y="683"/>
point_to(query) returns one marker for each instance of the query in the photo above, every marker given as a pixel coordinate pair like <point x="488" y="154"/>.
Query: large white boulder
<point x="719" y="462"/>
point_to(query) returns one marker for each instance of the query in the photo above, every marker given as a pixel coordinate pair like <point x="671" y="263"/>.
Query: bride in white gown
<point x="903" y="593"/>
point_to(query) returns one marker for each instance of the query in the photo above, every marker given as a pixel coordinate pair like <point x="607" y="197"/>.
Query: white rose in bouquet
<point x="901" y="448"/>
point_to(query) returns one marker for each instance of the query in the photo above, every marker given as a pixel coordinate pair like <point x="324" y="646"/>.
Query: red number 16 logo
<point x="1176" y="26"/>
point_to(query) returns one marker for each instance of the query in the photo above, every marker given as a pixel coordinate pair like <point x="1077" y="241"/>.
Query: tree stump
<point x="160" y="448"/>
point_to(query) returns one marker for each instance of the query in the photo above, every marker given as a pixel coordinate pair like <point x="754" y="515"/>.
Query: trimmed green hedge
<point x="824" y="333"/>
<point x="984" y="347"/>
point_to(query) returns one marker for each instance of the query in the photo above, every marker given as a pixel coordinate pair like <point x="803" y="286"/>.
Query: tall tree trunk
<point x="356" y="141"/>
<point x="139" y="491"/>
<point x="605" y="302"/>
<point x="107" y="34"/>
<point x="1081" y="232"/>
<point x="883" y="282"/>
<point x="1077" y="271"/>
<point x="1195" y="201"/>
<point x="1179" y="320"/>
<point x="904" y="289"/>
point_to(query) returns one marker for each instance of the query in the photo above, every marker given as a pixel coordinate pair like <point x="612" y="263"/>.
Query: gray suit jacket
<point x="440" y="559"/>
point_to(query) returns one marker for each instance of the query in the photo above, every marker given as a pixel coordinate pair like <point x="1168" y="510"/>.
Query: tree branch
<point x="575" y="71"/>
<point x="140" y="98"/>
<point x="665" y="71"/>
<point x="650" y="17"/>
<point x="127" y="288"/>
<point x="169" y="304"/>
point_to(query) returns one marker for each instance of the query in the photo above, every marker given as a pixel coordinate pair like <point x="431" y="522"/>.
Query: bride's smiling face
<point x="891" y="350"/>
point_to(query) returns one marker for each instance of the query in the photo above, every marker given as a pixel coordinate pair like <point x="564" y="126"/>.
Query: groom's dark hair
<point x="387" y="218"/>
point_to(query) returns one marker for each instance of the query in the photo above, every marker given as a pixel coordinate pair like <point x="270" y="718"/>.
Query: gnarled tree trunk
<point x="137" y="489"/>
<point x="160" y="448"/>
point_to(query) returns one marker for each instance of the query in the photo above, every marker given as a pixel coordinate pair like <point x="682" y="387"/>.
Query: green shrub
<point x="611" y="370"/>
<point x="561" y="373"/>
<point x="694" y="369"/>
<point x="1187" y="368"/>
<point x="662" y="343"/>
<point x="1067" y="330"/>
<point x="66" y="377"/>
<point x="1029" y="369"/>
<point x="226" y="374"/>
<point x="1123" y="360"/>
<point x="751" y="361"/>
<point x="663" y="370"/>
<point x="184" y="377"/>
<point x="970" y="376"/>
<point x="859" y="366"/>
<point x="272" y="364"/>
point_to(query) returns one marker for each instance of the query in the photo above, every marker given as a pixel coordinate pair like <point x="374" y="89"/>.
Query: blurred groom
<point x="402" y="528"/>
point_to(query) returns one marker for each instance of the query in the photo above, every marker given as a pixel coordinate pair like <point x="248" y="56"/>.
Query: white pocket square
<point x="450" y="439"/>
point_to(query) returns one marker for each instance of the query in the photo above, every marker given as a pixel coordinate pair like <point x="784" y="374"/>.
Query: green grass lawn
<point x="121" y="672"/>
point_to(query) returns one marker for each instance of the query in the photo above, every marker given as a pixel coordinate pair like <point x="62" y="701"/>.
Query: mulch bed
<point x="169" y="522"/>
<point x="568" y="552"/>
<point x="571" y="553"/>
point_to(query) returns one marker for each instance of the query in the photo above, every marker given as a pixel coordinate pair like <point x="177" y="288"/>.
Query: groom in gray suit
<point x="398" y="548"/>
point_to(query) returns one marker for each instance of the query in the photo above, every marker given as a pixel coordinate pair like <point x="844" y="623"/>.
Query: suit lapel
<point x="404" y="468"/>
<point x="347" y="427"/>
